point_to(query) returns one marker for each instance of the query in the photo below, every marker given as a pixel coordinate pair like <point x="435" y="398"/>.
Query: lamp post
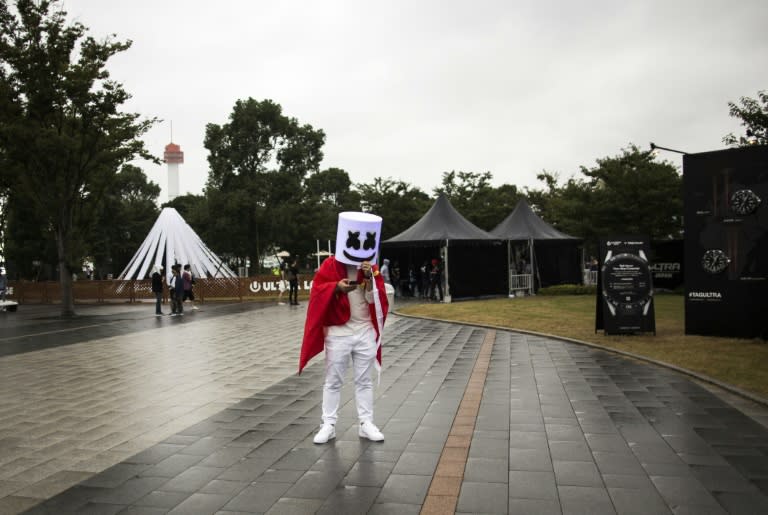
<point x="655" y="147"/>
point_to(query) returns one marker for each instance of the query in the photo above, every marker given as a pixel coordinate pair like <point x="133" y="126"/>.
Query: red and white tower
<point x="173" y="157"/>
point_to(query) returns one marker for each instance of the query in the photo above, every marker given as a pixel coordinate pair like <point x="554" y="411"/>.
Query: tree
<point x="326" y="194"/>
<point x="629" y="193"/>
<point x="473" y="196"/>
<point x="331" y="187"/>
<point x="753" y="114"/>
<point x="565" y="206"/>
<point x="634" y="194"/>
<point x="62" y="132"/>
<point x="258" y="161"/>
<point x="125" y="216"/>
<point x="397" y="202"/>
<point x="30" y="249"/>
<point x="192" y="208"/>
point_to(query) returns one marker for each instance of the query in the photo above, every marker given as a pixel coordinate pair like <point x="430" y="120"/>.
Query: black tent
<point x="473" y="259"/>
<point x="555" y="257"/>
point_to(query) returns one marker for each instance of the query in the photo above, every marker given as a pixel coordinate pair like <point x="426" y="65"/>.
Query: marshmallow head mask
<point x="357" y="237"/>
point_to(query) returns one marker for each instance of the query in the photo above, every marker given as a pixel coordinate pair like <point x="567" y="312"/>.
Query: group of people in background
<point x="180" y="288"/>
<point x="425" y="281"/>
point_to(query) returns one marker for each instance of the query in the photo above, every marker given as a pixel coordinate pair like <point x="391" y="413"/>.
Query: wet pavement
<point x="122" y="412"/>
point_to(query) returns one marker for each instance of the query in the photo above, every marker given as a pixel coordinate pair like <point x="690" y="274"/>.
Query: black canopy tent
<point x="555" y="257"/>
<point x="473" y="259"/>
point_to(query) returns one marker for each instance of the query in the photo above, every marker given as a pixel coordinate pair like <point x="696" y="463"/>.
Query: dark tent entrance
<point x="538" y="264"/>
<point x="469" y="270"/>
<point x="557" y="263"/>
<point x="473" y="263"/>
<point x="539" y="254"/>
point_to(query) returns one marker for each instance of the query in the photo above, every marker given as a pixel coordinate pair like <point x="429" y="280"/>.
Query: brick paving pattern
<point x="206" y="415"/>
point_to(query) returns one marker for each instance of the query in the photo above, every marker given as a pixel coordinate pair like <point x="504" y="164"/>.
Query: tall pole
<point x="509" y="267"/>
<point x="530" y="248"/>
<point x="447" y="294"/>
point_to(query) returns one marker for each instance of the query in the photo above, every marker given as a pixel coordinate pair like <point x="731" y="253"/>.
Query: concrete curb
<point x="701" y="377"/>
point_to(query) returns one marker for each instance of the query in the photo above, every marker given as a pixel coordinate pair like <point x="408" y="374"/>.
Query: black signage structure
<point x="667" y="259"/>
<point x="726" y="242"/>
<point x="624" y="287"/>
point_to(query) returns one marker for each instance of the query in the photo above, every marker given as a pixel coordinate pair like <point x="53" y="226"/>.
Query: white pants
<point x="338" y="349"/>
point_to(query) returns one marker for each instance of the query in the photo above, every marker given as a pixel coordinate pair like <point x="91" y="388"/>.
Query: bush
<point x="569" y="289"/>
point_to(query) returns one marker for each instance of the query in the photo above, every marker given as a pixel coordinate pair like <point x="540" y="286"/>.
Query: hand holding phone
<point x="346" y="286"/>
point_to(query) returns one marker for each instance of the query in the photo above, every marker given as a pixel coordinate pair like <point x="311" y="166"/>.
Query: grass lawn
<point x="742" y="363"/>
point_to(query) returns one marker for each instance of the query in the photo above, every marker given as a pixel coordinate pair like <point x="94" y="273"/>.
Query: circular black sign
<point x="626" y="284"/>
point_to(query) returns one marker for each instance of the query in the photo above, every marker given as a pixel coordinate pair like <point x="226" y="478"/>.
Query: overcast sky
<point x="412" y="89"/>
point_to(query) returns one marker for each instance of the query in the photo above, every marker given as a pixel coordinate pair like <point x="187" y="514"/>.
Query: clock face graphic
<point x="744" y="202"/>
<point x="627" y="287"/>
<point x="715" y="261"/>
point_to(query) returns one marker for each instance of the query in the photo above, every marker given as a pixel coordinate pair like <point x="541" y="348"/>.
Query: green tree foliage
<point x="126" y="213"/>
<point x="326" y="194"/>
<point x="632" y="193"/>
<point x="564" y="206"/>
<point x="397" y="202"/>
<point x="258" y="162"/>
<point x="629" y="193"/>
<point x="753" y="114"/>
<point x="62" y="134"/>
<point x="192" y="208"/>
<point x="473" y="196"/>
<point x="30" y="248"/>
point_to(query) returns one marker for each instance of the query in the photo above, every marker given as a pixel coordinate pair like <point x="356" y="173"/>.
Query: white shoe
<point x="369" y="430"/>
<point x="327" y="432"/>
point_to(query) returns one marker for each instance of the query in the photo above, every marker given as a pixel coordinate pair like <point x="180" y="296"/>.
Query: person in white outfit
<point x="347" y="308"/>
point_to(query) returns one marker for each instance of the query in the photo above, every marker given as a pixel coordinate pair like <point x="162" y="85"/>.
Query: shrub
<point x="569" y="289"/>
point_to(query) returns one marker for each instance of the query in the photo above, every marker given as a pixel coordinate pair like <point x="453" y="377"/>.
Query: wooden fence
<point x="98" y="292"/>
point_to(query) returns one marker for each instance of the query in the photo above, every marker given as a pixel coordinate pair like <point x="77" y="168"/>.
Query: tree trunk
<point x="65" y="277"/>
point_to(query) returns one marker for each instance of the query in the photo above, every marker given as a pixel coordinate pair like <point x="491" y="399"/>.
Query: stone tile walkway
<point x="207" y="416"/>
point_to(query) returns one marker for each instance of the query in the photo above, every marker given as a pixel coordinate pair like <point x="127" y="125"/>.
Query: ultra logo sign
<point x="274" y="286"/>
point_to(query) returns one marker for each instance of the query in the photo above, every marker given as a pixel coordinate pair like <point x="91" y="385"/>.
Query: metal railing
<point x="520" y="284"/>
<point x="590" y="276"/>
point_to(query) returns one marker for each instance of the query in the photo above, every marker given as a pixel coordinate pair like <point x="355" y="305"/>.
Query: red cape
<point x="328" y="307"/>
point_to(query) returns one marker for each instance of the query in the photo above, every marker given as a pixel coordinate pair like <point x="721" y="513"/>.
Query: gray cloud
<point x="413" y="89"/>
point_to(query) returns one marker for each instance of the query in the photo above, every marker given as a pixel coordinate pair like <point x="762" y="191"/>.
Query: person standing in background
<point x="385" y="271"/>
<point x="176" y="290"/>
<point x="178" y="287"/>
<point x="293" y="279"/>
<point x="424" y="276"/>
<point x="189" y="282"/>
<point x="412" y="280"/>
<point x="436" y="281"/>
<point x="394" y="274"/>
<point x="282" y="284"/>
<point x="157" y="288"/>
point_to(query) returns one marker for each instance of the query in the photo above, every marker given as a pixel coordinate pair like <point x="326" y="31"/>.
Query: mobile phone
<point x="353" y="283"/>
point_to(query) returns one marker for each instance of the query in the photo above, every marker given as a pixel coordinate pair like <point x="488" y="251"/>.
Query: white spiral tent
<point x="171" y="240"/>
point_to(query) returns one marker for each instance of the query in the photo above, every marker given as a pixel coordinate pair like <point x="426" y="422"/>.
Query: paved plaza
<point x="119" y="411"/>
